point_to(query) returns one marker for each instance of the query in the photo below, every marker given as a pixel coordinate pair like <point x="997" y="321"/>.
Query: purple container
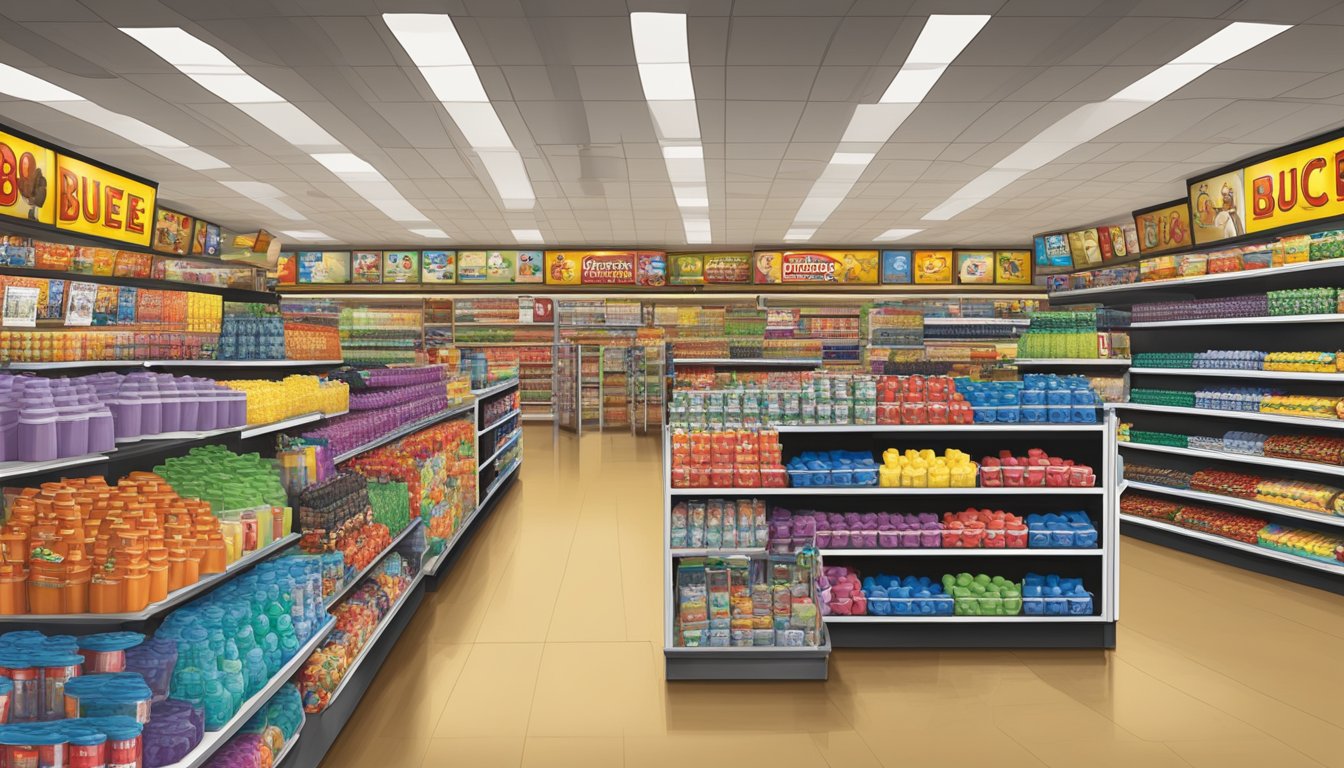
<point x="237" y="402"/>
<point x="171" y="404"/>
<point x="9" y="425"/>
<point x="151" y="408"/>
<point x="190" y="414"/>
<point x="37" y="429"/>
<point x="72" y="425"/>
<point x="102" y="429"/>
<point x="125" y="408"/>
<point x="207" y="403"/>
<point x="174" y="729"/>
<point x="155" y="661"/>
<point x="931" y="537"/>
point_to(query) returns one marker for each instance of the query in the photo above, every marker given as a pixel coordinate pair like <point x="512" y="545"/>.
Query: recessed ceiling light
<point x="306" y="234"/>
<point x="662" y="53"/>
<point x="434" y="232"/>
<point x="942" y="38"/>
<point x="892" y="235"/>
<point x="436" y="49"/>
<point x="799" y="233"/>
<point x="344" y="162"/>
<point x="21" y="85"/>
<point x="528" y="235"/>
<point x="1091" y="120"/>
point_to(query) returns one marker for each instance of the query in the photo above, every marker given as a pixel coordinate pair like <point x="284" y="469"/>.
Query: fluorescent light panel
<point x="306" y="234"/>
<point x="662" y="53"/>
<point x="892" y="235"/>
<point x="217" y="73"/>
<point x="796" y="234"/>
<point x="528" y="235"/>
<point x="940" y="41"/>
<point x="1091" y="120"/>
<point x="433" y="44"/>
<point x="21" y="85"/>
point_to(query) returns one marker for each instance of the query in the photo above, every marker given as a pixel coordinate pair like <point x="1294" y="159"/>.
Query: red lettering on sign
<point x="1262" y="197"/>
<point x="1287" y="197"/>
<point x="9" y="176"/>
<point x="1314" y="165"/>
<point x="68" y="205"/>
<point x="112" y="208"/>
<point x="135" y="214"/>
<point x="90" y="212"/>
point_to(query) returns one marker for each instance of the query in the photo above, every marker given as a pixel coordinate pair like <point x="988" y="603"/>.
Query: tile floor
<point x="543" y="647"/>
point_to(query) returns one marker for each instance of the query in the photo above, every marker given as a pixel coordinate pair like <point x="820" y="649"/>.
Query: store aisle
<point x="543" y="647"/>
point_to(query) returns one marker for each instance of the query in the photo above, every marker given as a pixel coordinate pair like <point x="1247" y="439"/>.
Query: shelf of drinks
<point x="1240" y="458"/>
<point x="1084" y="295"/>
<point x="1072" y="362"/>
<point x="1262" y="507"/>
<point x="405" y="430"/>
<point x="959" y="552"/>
<point x="1019" y="619"/>
<point x="150" y="283"/>
<point x="494" y="389"/>
<point x="289" y="745"/>
<point x="74" y="364"/>
<point x="214" y="740"/>
<point x="345" y="588"/>
<point x="1299" y="421"/>
<point x="872" y="490"/>
<point x="982" y="427"/>
<point x="496" y="423"/>
<point x="173" y="600"/>
<point x="508" y="443"/>
<point x="1264" y="320"/>
<point x="372" y="641"/>
<point x="1234" y="373"/>
<point x="1272" y="554"/>
<point x="432" y="567"/>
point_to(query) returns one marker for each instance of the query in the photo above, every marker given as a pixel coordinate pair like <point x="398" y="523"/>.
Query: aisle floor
<point x="543" y="647"/>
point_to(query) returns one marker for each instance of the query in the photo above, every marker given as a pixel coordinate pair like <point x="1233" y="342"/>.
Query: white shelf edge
<point x="377" y="633"/>
<point x="1018" y="619"/>
<point x="704" y="552"/>
<point x="1082" y="362"/>
<point x="173" y="599"/>
<point x="21" y="468"/>
<point x="494" y="389"/>
<point x="958" y="551"/>
<point x="1233" y="373"/>
<point x="495" y="424"/>
<point x="870" y="490"/>
<point x="404" y="430"/>
<point x="276" y="426"/>
<point x="1245" y="274"/>
<point x="1004" y="321"/>
<point x="1231" y="501"/>
<point x="1248" y="415"/>
<point x="213" y="740"/>
<point x="1241" y="458"/>
<point x="499" y="450"/>
<point x="1261" y="320"/>
<point x="982" y="427"/>
<point x="1272" y="554"/>
<point x="344" y="590"/>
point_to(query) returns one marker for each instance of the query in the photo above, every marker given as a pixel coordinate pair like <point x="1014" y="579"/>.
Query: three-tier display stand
<point x="1092" y="444"/>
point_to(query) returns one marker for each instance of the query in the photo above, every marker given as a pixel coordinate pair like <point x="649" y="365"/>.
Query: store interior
<point x="640" y="382"/>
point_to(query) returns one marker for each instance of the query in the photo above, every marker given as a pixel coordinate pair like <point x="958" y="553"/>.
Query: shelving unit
<point x="1274" y="333"/>
<point x="1099" y="567"/>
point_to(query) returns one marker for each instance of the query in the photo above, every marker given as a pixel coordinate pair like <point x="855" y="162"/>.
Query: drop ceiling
<point x="776" y="82"/>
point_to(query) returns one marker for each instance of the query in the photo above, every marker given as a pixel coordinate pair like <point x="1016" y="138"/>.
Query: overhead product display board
<point x="1163" y="228"/>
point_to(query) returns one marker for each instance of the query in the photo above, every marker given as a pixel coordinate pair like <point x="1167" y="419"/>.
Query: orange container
<point x="105" y="594"/>
<point x="136" y="588"/>
<point x="177" y="569"/>
<point x="46" y="582"/>
<point x="13" y="590"/>
<point x="75" y="597"/>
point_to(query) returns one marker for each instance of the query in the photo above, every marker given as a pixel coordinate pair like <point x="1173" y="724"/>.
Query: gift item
<point x="727" y="459"/>
<point x="744" y="602"/>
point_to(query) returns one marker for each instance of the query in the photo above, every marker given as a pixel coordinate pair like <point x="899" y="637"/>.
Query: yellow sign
<point x="26" y="170"/>
<point x="772" y="267"/>
<point x="562" y="267"/>
<point x="1302" y="186"/>
<point x="1218" y="205"/>
<point x="95" y="201"/>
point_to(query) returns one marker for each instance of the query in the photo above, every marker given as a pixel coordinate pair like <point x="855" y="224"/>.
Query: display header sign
<point x="792" y="267"/>
<point x="1295" y="188"/>
<point x="26" y="173"/>
<point x="1163" y="228"/>
<point x="93" y="200"/>
<point x="606" y="268"/>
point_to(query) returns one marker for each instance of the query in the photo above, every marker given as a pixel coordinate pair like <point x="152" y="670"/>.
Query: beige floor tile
<point x="493" y="694"/>
<point x="1245" y="754"/>
<point x="473" y="751"/>
<point x="574" y="753"/>
<point x="543" y="647"/>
